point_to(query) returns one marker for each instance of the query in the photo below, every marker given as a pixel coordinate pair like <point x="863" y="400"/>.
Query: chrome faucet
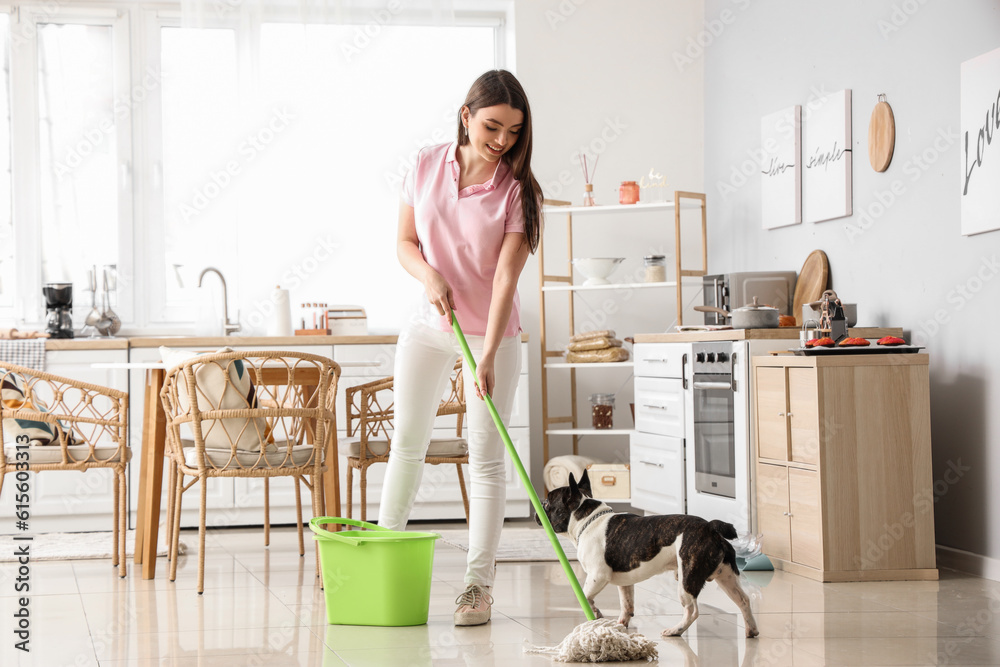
<point x="227" y="326"/>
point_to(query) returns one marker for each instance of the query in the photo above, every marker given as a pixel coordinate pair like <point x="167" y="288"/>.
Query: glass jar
<point x="656" y="268"/>
<point x="628" y="192"/>
<point x="602" y="409"/>
<point x="588" y="195"/>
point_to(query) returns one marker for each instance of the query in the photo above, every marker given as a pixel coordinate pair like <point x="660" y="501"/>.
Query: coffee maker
<point x="58" y="309"/>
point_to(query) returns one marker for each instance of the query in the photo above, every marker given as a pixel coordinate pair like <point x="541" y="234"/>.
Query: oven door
<point x="714" y="435"/>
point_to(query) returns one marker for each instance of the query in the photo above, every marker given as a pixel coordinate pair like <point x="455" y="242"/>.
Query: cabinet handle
<point x="655" y="407"/>
<point x="781" y="414"/>
<point x="790" y="415"/>
<point x="650" y="463"/>
<point x="660" y="361"/>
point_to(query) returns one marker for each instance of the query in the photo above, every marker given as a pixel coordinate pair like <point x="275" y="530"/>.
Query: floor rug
<point x="516" y="544"/>
<point x="72" y="546"/>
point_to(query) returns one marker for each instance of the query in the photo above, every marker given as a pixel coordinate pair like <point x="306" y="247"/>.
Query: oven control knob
<point x="711" y="357"/>
<point x="722" y="356"/>
<point x="700" y="357"/>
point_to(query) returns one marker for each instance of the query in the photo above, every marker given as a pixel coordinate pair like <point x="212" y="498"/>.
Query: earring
<point x="466" y="130"/>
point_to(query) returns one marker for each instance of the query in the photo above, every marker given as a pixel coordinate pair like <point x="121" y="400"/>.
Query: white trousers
<point x="425" y="358"/>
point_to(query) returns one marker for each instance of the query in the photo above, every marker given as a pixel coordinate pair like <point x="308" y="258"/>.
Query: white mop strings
<point x="601" y="640"/>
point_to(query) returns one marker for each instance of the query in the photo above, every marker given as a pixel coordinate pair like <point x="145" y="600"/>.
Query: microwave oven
<point x="730" y="291"/>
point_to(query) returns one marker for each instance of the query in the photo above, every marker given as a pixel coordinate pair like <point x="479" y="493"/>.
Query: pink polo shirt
<point x="460" y="233"/>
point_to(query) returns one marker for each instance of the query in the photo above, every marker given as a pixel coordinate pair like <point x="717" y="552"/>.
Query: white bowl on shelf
<point x="597" y="269"/>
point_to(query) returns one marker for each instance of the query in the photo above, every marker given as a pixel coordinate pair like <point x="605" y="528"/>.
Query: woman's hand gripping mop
<point x="600" y="640"/>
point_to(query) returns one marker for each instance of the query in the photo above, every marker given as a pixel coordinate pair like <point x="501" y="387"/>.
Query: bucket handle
<point x="314" y="526"/>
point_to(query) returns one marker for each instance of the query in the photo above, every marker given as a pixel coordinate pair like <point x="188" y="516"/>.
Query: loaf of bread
<point x="587" y="335"/>
<point x="593" y="344"/>
<point x="608" y="354"/>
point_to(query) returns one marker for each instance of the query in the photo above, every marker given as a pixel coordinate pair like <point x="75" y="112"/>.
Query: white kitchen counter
<point x="783" y="333"/>
<point x="126" y="342"/>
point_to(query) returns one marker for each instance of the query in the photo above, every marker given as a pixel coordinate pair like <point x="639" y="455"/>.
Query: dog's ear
<point x="585" y="484"/>
<point x="572" y="483"/>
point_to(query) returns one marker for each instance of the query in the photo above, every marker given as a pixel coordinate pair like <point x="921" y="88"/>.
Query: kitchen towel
<point x="28" y="353"/>
<point x="558" y="469"/>
<point x="280" y="323"/>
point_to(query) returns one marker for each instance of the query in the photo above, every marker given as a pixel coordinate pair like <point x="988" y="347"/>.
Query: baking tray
<point x="871" y="349"/>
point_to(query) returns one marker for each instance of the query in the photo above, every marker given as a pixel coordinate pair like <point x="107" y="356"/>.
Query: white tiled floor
<point x="264" y="607"/>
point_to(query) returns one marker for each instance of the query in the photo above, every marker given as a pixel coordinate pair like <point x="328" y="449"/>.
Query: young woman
<point x="470" y="215"/>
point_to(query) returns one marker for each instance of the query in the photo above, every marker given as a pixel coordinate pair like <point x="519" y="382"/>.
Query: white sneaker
<point x="473" y="605"/>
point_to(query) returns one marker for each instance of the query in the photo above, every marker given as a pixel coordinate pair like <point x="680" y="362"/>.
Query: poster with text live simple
<point x="781" y="172"/>
<point x="979" y="127"/>
<point x="826" y="159"/>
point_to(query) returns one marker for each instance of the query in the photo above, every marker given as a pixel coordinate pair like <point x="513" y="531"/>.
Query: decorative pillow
<point x="218" y="393"/>
<point x="12" y="393"/>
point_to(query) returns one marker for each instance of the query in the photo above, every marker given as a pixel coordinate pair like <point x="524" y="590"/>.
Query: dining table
<point x="154" y="437"/>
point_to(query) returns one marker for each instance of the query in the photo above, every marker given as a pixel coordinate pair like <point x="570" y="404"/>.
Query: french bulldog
<point x="623" y="549"/>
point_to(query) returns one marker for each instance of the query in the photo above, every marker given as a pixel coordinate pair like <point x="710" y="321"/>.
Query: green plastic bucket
<point x="375" y="576"/>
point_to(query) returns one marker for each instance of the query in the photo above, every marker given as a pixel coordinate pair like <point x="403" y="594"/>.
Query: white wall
<point x="909" y="262"/>
<point x="602" y="74"/>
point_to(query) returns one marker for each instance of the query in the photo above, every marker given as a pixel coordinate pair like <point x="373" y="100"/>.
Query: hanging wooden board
<point x="881" y="135"/>
<point x="811" y="282"/>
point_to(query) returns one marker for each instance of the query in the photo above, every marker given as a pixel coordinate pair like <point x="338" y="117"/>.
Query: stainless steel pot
<point x="751" y="316"/>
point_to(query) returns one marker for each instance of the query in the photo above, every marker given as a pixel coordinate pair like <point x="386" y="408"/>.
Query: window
<point x="78" y="151"/>
<point x="293" y="180"/>
<point x="267" y="148"/>
<point x="200" y="111"/>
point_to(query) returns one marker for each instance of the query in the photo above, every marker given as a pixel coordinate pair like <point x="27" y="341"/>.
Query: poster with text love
<point x="979" y="128"/>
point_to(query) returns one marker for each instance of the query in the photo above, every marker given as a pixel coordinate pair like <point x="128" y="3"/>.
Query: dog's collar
<point x="593" y="517"/>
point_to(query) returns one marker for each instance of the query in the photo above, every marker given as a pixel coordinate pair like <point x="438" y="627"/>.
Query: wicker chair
<point x="90" y="424"/>
<point x="369" y="419"/>
<point x="260" y="414"/>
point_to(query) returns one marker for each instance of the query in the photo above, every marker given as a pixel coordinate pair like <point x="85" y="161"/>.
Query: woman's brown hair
<point x="499" y="86"/>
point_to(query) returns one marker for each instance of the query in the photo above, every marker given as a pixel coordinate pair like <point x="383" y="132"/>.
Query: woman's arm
<point x="513" y="255"/>
<point x="408" y="251"/>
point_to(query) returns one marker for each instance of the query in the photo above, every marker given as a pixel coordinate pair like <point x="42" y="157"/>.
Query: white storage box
<point x="610" y="481"/>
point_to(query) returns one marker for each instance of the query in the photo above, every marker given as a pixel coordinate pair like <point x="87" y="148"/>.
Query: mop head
<point x="603" y="640"/>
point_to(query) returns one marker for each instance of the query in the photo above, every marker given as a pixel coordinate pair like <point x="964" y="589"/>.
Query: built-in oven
<point x="714" y="434"/>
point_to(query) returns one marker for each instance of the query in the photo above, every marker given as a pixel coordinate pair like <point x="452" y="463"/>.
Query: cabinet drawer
<point x="381" y="358"/>
<point x="659" y="406"/>
<point x="665" y="360"/>
<point x="657" y="467"/>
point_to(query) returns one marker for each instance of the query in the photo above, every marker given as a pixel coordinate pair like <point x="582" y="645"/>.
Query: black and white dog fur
<point x="624" y="549"/>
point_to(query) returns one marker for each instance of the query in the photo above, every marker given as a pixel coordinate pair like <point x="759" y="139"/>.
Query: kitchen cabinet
<point x="843" y="465"/>
<point x="656" y="446"/>
<point x="87" y="497"/>
<point x="558" y="377"/>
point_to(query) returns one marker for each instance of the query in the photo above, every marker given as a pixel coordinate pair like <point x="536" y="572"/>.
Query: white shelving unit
<point x="551" y="284"/>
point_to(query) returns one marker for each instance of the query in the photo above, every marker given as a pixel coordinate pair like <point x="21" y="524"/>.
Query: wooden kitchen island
<point x="844" y="487"/>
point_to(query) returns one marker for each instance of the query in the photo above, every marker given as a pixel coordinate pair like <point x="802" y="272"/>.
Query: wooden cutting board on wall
<point x="881" y="135"/>
<point x="811" y="282"/>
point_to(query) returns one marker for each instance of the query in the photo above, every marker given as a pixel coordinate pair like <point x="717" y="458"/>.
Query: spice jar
<point x="628" y="192"/>
<point x="602" y="407"/>
<point x="656" y="268"/>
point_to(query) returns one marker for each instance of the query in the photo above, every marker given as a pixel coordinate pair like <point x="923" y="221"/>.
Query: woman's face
<point x="493" y="130"/>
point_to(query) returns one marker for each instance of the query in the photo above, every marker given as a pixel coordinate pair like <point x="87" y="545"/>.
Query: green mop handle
<point x="522" y="473"/>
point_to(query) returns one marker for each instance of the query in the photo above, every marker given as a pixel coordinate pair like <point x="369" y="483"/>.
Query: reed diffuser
<point x="588" y="179"/>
